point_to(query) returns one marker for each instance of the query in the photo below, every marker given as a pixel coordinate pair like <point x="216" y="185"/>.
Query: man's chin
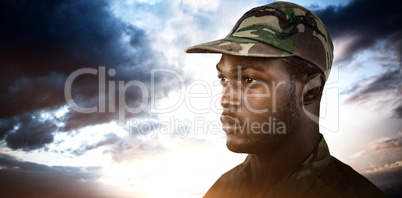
<point x="239" y="146"/>
<point x="237" y="149"/>
<point x="260" y="145"/>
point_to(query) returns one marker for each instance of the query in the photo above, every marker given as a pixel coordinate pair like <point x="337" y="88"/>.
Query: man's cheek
<point x="257" y="104"/>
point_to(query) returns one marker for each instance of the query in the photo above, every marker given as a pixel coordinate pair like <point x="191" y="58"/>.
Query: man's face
<point x="260" y="109"/>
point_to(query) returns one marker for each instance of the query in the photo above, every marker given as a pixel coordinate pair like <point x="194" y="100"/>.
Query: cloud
<point x="367" y="21"/>
<point x="398" y="111"/>
<point x="387" y="178"/>
<point x="358" y="154"/>
<point x="43" y="42"/>
<point x="365" y="24"/>
<point x="142" y="138"/>
<point x="389" y="143"/>
<point x="30" y="133"/>
<point x="135" y="148"/>
<point x="27" y="179"/>
<point x="109" y="139"/>
<point x="365" y="90"/>
<point x="386" y="167"/>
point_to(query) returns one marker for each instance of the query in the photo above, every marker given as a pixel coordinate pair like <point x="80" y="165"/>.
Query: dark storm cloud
<point x="389" y="81"/>
<point x="368" y="21"/>
<point x="398" y="111"/>
<point x="31" y="133"/>
<point x="373" y="25"/>
<point x="43" y="42"/>
<point x="25" y="179"/>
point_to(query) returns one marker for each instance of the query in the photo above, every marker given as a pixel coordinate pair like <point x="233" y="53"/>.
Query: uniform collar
<point x="298" y="182"/>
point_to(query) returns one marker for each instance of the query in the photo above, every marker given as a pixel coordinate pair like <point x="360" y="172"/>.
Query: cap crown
<point x="278" y="29"/>
<point x="289" y="27"/>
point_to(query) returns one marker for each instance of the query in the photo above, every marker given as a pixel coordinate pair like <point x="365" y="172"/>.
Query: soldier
<point x="274" y="64"/>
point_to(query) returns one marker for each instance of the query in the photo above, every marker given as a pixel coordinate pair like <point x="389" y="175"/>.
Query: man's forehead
<point x="235" y="63"/>
<point x="243" y="67"/>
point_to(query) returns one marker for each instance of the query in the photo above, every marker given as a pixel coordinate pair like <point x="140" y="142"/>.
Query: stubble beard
<point x="266" y="143"/>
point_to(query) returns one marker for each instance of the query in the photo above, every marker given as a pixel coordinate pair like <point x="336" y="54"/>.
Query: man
<point x="274" y="64"/>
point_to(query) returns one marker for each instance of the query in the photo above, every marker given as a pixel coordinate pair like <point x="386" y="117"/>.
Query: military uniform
<point x="320" y="175"/>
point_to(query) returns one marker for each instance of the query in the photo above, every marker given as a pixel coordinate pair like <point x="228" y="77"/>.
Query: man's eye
<point x="224" y="80"/>
<point x="249" y="80"/>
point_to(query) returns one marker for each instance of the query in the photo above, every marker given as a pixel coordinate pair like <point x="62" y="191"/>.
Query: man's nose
<point x="231" y="97"/>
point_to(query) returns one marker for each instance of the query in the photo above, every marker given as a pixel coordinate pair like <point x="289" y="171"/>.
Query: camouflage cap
<point x="279" y="29"/>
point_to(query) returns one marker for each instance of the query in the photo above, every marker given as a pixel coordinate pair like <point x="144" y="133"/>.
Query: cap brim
<point x="239" y="47"/>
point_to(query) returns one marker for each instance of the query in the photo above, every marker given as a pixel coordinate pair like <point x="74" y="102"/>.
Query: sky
<point x="99" y="99"/>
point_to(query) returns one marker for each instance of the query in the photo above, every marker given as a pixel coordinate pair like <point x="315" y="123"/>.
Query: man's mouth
<point x="229" y="123"/>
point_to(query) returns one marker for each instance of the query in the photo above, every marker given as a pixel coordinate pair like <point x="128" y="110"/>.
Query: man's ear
<point x="313" y="88"/>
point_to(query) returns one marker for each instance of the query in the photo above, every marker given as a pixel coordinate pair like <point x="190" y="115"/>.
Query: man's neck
<point x="268" y="169"/>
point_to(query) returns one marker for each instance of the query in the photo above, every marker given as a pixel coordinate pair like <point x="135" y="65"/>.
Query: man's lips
<point x="229" y="123"/>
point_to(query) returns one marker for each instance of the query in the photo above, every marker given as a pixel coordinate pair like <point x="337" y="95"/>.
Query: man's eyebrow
<point x="243" y="68"/>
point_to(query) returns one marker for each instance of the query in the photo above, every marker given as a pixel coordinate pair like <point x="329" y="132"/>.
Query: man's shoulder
<point x="232" y="177"/>
<point x="233" y="182"/>
<point x="341" y="180"/>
